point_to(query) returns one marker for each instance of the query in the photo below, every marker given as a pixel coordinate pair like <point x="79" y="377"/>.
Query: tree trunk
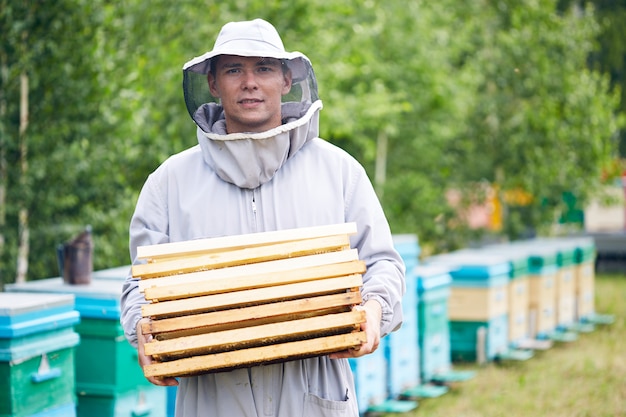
<point x="380" y="175"/>
<point x="3" y="155"/>
<point x="23" y="228"/>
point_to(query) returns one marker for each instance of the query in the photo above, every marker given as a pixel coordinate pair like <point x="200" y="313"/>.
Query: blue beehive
<point x="478" y="301"/>
<point x="37" y="343"/>
<point x="370" y="379"/>
<point x="433" y="288"/>
<point x="408" y="247"/>
<point x="400" y="347"/>
<point x="108" y="375"/>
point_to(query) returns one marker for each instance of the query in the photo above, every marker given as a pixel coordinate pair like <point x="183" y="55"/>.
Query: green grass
<point x="586" y="377"/>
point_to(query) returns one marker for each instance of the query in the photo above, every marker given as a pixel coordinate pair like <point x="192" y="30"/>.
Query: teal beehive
<point x="478" y="300"/>
<point x="108" y="375"/>
<point x="433" y="288"/>
<point x="401" y="351"/>
<point x="37" y="342"/>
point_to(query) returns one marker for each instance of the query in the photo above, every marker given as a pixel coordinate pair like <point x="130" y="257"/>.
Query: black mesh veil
<point x="196" y="87"/>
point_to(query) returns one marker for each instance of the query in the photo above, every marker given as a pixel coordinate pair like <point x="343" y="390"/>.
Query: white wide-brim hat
<point x="251" y="38"/>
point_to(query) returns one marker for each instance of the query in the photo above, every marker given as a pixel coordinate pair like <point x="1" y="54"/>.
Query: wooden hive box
<point x="223" y="303"/>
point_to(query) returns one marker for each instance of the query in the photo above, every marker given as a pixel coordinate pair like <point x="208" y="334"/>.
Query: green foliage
<point x="63" y="102"/>
<point x="609" y="55"/>
<point x="465" y="94"/>
<point x="543" y="122"/>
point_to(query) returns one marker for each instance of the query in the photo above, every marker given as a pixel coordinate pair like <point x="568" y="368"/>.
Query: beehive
<point x="518" y="292"/>
<point x="542" y="293"/>
<point x="37" y="342"/>
<point x="400" y="347"/>
<point x="228" y="302"/>
<point x="479" y="288"/>
<point x="108" y="378"/>
<point x="585" y="278"/>
<point x="433" y="286"/>
<point x="478" y="300"/>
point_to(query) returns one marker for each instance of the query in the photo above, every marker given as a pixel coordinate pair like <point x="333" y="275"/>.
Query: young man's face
<point x="250" y="90"/>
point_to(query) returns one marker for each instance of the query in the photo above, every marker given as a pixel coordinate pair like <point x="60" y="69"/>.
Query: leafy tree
<point x="394" y="98"/>
<point x="543" y="123"/>
<point x="61" y="103"/>
<point x="609" y="56"/>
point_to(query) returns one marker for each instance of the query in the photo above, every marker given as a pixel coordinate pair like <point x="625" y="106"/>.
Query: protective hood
<point x="249" y="160"/>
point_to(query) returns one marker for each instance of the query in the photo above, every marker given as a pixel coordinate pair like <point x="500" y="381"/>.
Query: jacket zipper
<point x="254" y="222"/>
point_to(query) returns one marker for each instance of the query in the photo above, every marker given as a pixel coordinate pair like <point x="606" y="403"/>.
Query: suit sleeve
<point x="148" y="226"/>
<point x="384" y="279"/>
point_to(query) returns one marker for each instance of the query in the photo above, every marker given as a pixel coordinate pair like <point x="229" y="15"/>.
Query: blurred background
<point x="481" y="121"/>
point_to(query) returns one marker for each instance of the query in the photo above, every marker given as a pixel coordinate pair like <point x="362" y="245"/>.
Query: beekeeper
<point x="260" y="166"/>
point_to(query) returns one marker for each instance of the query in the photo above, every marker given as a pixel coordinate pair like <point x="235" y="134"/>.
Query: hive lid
<point x="98" y="299"/>
<point x="569" y="250"/>
<point x="541" y="257"/>
<point x="22" y="314"/>
<point x="430" y="277"/>
<point x="117" y="273"/>
<point x="517" y="258"/>
<point x="17" y="303"/>
<point x="472" y="264"/>
<point x="104" y="288"/>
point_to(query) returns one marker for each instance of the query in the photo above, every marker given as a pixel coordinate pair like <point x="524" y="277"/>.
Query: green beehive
<point x="585" y="250"/>
<point x="143" y="401"/>
<point x="539" y="260"/>
<point x="584" y="260"/>
<point x="106" y="362"/>
<point x="108" y="375"/>
<point x="37" y="354"/>
<point x="518" y="292"/>
<point x="565" y="280"/>
<point x="465" y="339"/>
<point x="478" y="300"/>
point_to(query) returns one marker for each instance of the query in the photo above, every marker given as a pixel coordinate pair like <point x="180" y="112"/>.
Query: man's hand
<point x="371" y="327"/>
<point x="144" y="360"/>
